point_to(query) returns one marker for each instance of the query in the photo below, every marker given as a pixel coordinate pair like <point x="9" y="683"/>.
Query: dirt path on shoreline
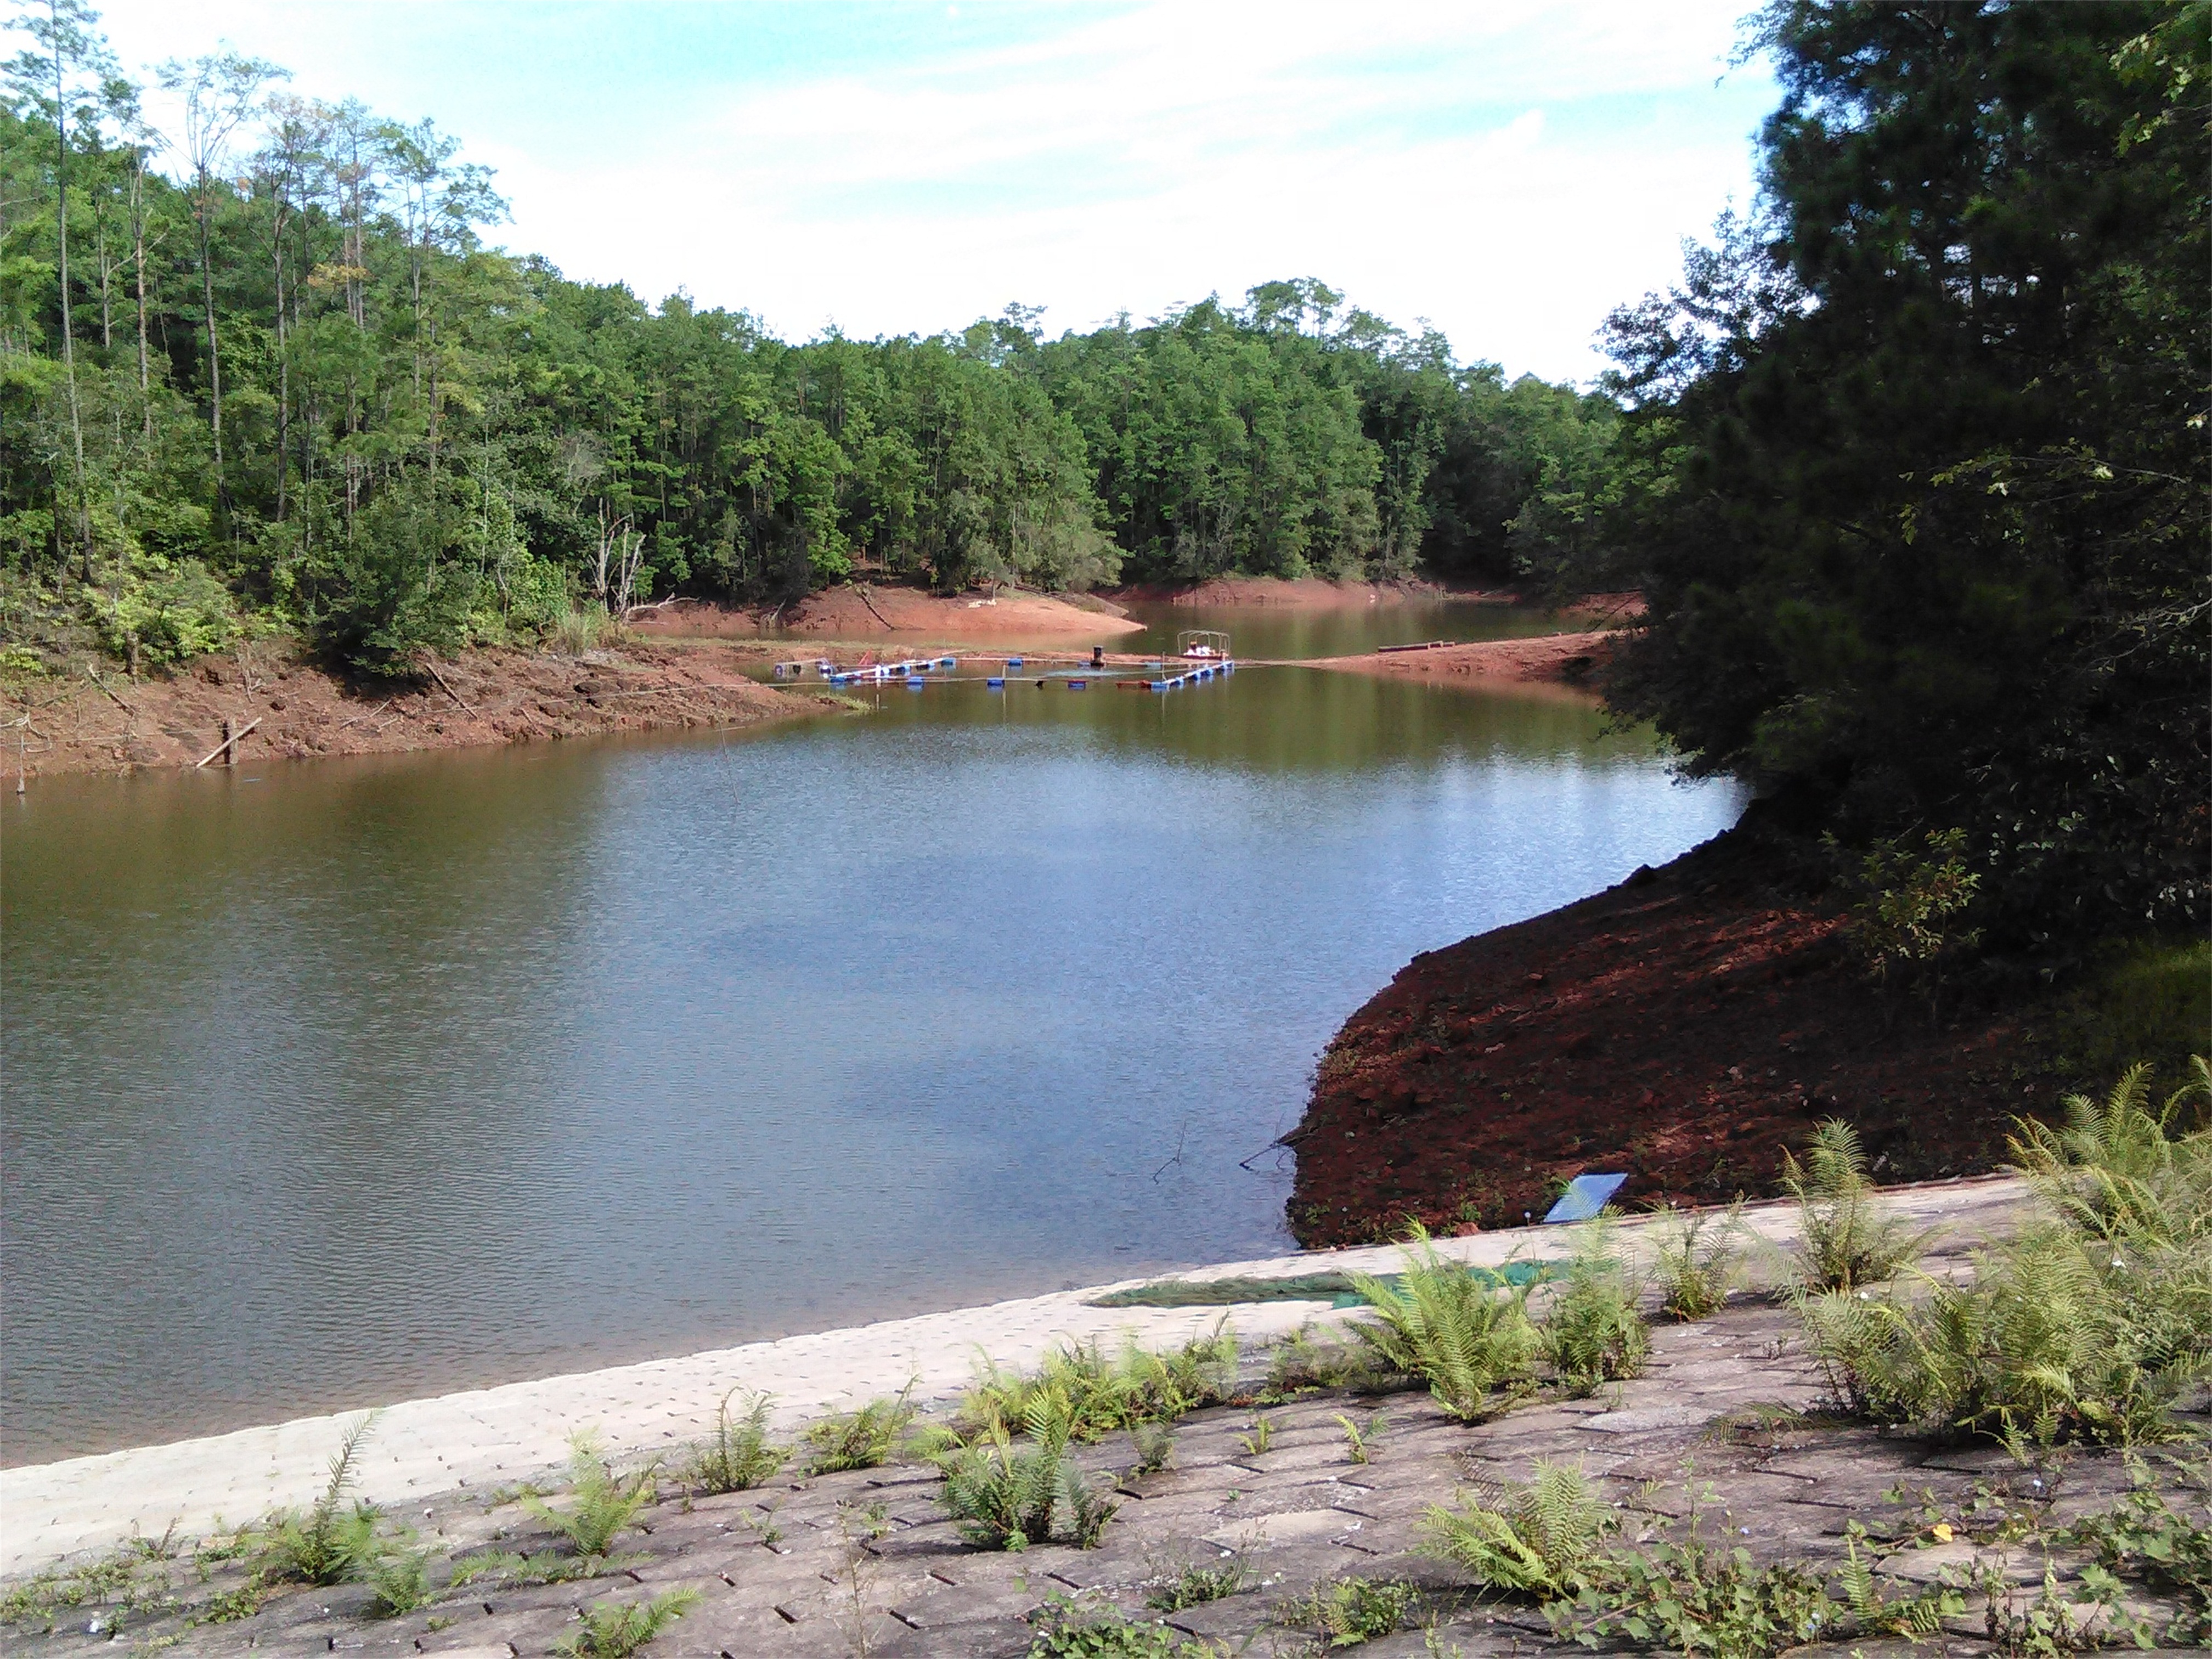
<point x="902" y="619"/>
<point x="298" y="711"/>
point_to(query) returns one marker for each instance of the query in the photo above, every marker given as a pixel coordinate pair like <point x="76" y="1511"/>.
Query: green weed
<point x="1469" y="1339"/>
<point x="1263" y="1435"/>
<point x="614" y="1629"/>
<point x="1358" y="1443"/>
<point x="1306" y="1360"/>
<point x="1109" y="1392"/>
<point x="602" y="1505"/>
<point x="1065" y="1629"/>
<point x="1154" y="1444"/>
<point x="739" y="1457"/>
<point x="1697" y="1259"/>
<point x="1544" y="1539"/>
<point x="1193" y="1586"/>
<point x="1593" y="1332"/>
<point x="1847" y="1239"/>
<point x="862" y="1439"/>
<point x="1006" y="1497"/>
<point x="323" y="1545"/>
<point x="1350" y="1611"/>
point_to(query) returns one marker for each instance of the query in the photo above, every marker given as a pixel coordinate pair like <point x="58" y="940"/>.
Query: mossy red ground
<point x="1684" y="1028"/>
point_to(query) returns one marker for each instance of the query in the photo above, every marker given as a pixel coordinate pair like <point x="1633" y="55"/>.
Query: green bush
<point x="602" y="1505"/>
<point x="325" y="1545"/>
<point x="1006" y="1497"/>
<point x="1107" y="1393"/>
<point x="1846" y="1239"/>
<point x="614" y="1629"/>
<point x="2090" y="1325"/>
<point x="1351" y="1611"/>
<point x="863" y="1439"/>
<point x="1543" y="1539"/>
<point x="1469" y="1339"/>
<point x="1593" y="1333"/>
<point x="175" y="609"/>
<point x="739" y="1456"/>
<point x="1696" y="1261"/>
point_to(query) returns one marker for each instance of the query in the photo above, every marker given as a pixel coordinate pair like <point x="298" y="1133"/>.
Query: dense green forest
<point x="269" y="364"/>
<point x="1922" y="505"/>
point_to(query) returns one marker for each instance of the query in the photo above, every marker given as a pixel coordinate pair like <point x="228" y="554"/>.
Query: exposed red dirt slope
<point x="298" y="710"/>
<point x="1684" y="1028"/>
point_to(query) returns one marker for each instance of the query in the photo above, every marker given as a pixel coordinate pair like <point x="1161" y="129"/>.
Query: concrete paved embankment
<point x="489" y="1436"/>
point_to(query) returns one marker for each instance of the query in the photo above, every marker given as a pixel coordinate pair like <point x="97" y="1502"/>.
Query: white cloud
<point x="1509" y="169"/>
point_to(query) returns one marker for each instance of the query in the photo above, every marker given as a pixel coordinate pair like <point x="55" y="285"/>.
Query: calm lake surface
<point x="334" y="1083"/>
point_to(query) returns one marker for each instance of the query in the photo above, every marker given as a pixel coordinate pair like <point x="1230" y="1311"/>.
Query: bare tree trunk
<point x="205" y="206"/>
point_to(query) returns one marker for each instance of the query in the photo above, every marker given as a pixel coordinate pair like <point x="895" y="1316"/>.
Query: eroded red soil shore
<point x="1684" y="1028"/>
<point x="298" y="711"/>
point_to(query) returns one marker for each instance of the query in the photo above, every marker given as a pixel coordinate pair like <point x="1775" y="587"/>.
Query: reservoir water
<point x="334" y="1082"/>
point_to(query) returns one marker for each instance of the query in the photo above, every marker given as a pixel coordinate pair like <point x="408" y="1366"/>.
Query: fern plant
<point x="1594" y="1333"/>
<point x="1154" y="1444"/>
<point x="1846" y="1238"/>
<point x="1107" y="1392"/>
<point x="739" y="1457"/>
<point x="1545" y="1539"/>
<point x="323" y="1545"/>
<point x="603" y="1505"/>
<point x="862" y="1439"/>
<point x="1468" y="1339"/>
<point x="1351" y="1611"/>
<point x="614" y="1629"/>
<point x="2091" y="1326"/>
<point x="1696" y="1260"/>
<point x="1003" y="1496"/>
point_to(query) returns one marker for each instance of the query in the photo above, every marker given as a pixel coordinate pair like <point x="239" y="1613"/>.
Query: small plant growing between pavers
<point x="1263" y="1435"/>
<point x="1697" y="1259"/>
<point x="1358" y="1443"/>
<point x="2166" y="1547"/>
<point x="1594" y="1333"/>
<point x="323" y="1545"/>
<point x="1192" y="1585"/>
<point x="739" y="1457"/>
<point x="614" y="1629"/>
<point x="1154" y="1444"/>
<point x="1067" y="1628"/>
<point x="2091" y="1325"/>
<point x="1847" y="1238"/>
<point x="1347" y="1612"/>
<point x="1306" y="1359"/>
<point x="1008" y="1496"/>
<point x="602" y="1505"/>
<point x="1470" y="1340"/>
<point x="1106" y="1392"/>
<point x="859" y="1528"/>
<point x="1543" y="1539"/>
<point x="862" y="1439"/>
<point x="398" y="1571"/>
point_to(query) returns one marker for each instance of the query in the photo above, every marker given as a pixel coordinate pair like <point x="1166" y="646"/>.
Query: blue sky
<point x="1508" y="170"/>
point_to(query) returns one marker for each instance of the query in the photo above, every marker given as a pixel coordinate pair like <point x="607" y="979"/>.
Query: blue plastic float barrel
<point x="1013" y="662"/>
<point x="996" y="683"/>
<point x="915" y="682"/>
<point x="1078" y="685"/>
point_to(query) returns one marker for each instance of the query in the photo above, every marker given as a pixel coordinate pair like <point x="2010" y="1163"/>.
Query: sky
<point x="1505" y="170"/>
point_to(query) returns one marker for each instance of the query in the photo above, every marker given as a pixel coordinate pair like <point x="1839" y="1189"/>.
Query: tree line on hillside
<point x="1910" y="464"/>
<point x="268" y="364"/>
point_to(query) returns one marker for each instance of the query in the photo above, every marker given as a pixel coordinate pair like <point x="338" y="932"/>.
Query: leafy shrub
<point x="739" y="1457"/>
<point x="1693" y="1596"/>
<point x="1543" y="1539"/>
<point x="398" y="1571"/>
<point x="1906" y="922"/>
<point x="1846" y="1239"/>
<point x="1351" y="1611"/>
<point x="1154" y="1444"/>
<point x="175" y="609"/>
<point x="1468" y="1339"/>
<point x="2146" y="1537"/>
<point x="1006" y="1498"/>
<point x="864" y="1439"/>
<point x="1194" y="1586"/>
<point x="324" y="1545"/>
<point x="1066" y="1629"/>
<point x="603" y="1505"/>
<point x="1696" y="1261"/>
<point x="1305" y="1359"/>
<point x="614" y="1629"/>
<point x="1104" y="1394"/>
<point x="1593" y="1333"/>
<point x="2091" y="1326"/>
